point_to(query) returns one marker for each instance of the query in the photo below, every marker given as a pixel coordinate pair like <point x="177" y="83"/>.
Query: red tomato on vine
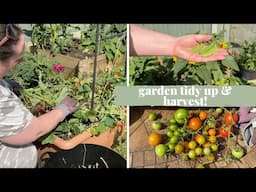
<point x="224" y="132"/>
<point x="230" y="118"/>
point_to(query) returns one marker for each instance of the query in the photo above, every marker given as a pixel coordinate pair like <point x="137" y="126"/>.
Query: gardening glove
<point x="249" y="133"/>
<point x="68" y="106"/>
<point x="245" y="114"/>
<point x="12" y="85"/>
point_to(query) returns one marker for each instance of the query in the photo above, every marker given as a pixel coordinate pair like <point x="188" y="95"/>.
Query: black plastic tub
<point x="85" y="156"/>
<point x="248" y="75"/>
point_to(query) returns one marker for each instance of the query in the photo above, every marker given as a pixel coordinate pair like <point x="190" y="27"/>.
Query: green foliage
<point x="149" y="71"/>
<point x="111" y="44"/>
<point x="43" y="86"/>
<point x="58" y="38"/>
<point x="27" y="73"/>
<point x="247" y="56"/>
<point x="54" y="37"/>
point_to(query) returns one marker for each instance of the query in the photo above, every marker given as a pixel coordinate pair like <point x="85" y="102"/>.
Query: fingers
<point x="202" y="38"/>
<point x="70" y="103"/>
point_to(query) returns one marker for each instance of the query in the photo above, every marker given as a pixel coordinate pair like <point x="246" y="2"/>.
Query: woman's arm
<point x="38" y="127"/>
<point x="43" y="124"/>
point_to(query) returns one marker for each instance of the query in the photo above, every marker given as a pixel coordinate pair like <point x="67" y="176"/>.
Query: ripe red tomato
<point x="117" y="74"/>
<point x="39" y="107"/>
<point x="224" y="132"/>
<point x="230" y="118"/>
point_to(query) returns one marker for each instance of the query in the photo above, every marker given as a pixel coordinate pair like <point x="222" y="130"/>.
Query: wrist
<point x="63" y="111"/>
<point x="172" y="46"/>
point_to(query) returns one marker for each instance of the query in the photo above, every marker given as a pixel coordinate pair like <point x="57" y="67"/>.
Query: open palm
<point x="182" y="48"/>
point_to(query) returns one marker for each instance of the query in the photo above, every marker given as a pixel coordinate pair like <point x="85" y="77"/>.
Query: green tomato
<point x="173" y="127"/>
<point x="192" y="145"/>
<point x="207" y="151"/>
<point x="185" y="157"/>
<point x="219" y="110"/>
<point x="152" y="116"/>
<point x="161" y="150"/>
<point x="156" y="125"/>
<point x="172" y="121"/>
<point x="192" y="154"/>
<point x="172" y="146"/>
<point x="180" y="115"/>
<point x="177" y="133"/>
<point x="237" y="152"/>
<point x="199" y="166"/>
<point x="169" y="133"/>
<point x="174" y="139"/>
<point x="198" y="151"/>
<point x="214" y="147"/>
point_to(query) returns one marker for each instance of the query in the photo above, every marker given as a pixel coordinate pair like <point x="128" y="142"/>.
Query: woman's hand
<point x="182" y="46"/>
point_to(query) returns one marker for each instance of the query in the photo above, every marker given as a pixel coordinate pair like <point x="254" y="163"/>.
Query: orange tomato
<point x="210" y="157"/>
<point x="212" y="132"/>
<point x="39" y="107"/>
<point x="230" y="118"/>
<point x="212" y="139"/>
<point x="202" y="115"/>
<point x="185" y="143"/>
<point x="194" y="123"/>
<point x="77" y="84"/>
<point x="154" y="139"/>
<point x="117" y="74"/>
<point x="200" y="139"/>
<point x="179" y="149"/>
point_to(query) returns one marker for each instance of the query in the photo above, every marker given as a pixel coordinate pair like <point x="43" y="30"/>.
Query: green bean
<point x="210" y="51"/>
<point x="205" y="51"/>
<point x="197" y="48"/>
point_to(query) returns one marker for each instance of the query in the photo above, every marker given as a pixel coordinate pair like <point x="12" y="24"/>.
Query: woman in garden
<point x="18" y="127"/>
<point x="145" y="42"/>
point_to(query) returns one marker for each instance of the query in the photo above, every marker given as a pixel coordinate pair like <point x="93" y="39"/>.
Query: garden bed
<point x="143" y="155"/>
<point x="81" y="64"/>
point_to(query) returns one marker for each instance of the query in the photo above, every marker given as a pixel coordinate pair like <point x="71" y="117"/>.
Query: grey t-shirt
<point x="14" y="117"/>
